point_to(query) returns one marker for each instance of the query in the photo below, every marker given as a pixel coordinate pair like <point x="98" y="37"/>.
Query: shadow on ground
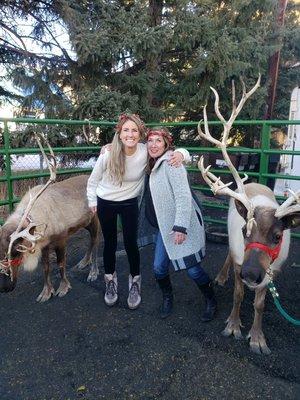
<point x="77" y="348"/>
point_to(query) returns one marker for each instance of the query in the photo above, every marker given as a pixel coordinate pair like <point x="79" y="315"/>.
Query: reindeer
<point x="258" y="230"/>
<point x="44" y="220"/>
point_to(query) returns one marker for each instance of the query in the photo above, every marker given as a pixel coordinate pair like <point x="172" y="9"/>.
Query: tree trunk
<point x="153" y="61"/>
<point x="274" y="63"/>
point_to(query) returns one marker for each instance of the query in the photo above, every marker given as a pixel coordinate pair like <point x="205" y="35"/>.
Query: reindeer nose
<point x="252" y="277"/>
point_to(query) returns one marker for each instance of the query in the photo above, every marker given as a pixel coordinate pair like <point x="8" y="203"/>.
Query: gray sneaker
<point x="111" y="291"/>
<point x="134" y="295"/>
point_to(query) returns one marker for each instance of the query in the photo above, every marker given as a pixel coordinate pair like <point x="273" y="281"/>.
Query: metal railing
<point x="262" y="175"/>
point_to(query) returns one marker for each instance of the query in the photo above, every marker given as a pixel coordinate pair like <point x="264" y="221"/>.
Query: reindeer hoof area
<point x="235" y="332"/>
<point x="63" y="289"/>
<point x="45" y="294"/>
<point x="257" y="349"/>
<point x="93" y="275"/>
<point x="233" y="328"/>
<point x="82" y="264"/>
<point x="259" y="345"/>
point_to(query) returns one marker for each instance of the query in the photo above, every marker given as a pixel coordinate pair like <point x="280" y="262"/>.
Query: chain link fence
<point x="76" y="145"/>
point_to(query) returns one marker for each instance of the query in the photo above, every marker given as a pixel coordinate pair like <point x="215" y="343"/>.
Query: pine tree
<point x="157" y="58"/>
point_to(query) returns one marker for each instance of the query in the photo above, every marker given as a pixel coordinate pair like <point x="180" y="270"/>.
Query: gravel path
<point x="77" y="348"/>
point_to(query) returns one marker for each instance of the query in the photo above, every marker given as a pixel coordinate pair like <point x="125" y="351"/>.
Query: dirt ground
<point x="77" y="348"/>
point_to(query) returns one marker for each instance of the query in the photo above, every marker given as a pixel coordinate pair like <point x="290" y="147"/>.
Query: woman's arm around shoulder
<point x="179" y="156"/>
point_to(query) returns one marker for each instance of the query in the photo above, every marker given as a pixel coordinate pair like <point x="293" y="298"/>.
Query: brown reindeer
<point x="258" y="230"/>
<point x="57" y="213"/>
<point x="44" y="220"/>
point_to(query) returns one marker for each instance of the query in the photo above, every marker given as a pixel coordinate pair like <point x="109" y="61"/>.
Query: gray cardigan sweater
<point x="174" y="206"/>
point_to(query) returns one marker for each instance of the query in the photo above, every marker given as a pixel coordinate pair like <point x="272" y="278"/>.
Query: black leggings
<point x="108" y="211"/>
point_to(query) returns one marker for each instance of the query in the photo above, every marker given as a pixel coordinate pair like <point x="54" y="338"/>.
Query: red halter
<point x="13" y="263"/>
<point x="272" y="253"/>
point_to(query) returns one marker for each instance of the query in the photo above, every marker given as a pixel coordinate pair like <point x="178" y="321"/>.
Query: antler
<point x="25" y="234"/>
<point x="51" y="163"/>
<point x="287" y="207"/>
<point x="218" y="187"/>
<point x="215" y="183"/>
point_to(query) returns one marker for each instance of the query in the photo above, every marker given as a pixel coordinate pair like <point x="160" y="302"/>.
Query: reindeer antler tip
<point x="200" y="162"/>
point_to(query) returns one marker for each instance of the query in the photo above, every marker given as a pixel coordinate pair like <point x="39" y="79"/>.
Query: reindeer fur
<point x="263" y="231"/>
<point x="257" y="226"/>
<point x="61" y="210"/>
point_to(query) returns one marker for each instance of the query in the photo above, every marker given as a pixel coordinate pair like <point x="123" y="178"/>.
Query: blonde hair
<point x="116" y="161"/>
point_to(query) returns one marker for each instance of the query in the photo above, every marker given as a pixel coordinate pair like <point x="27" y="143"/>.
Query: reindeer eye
<point x="277" y="237"/>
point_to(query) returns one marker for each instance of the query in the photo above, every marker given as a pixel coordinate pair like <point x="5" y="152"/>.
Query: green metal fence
<point x="262" y="174"/>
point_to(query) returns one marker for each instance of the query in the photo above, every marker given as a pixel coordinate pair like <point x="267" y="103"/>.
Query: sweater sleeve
<point x="182" y="196"/>
<point x="95" y="178"/>
<point x="186" y="155"/>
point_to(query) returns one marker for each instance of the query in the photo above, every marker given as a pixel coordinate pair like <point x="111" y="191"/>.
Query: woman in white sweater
<point x="113" y="189"/>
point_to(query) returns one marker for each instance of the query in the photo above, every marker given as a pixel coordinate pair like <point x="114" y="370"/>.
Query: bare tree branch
<point x="6" y="27"/>
<point x="64" y="51"/>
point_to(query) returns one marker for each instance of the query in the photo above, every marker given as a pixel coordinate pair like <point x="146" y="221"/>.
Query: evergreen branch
<point x="64" y="51"/>
<point x="9" y="95"/>
<point x="7" y="28"/>
<point x="40" y="41"/>
<point x="10" y="47"/>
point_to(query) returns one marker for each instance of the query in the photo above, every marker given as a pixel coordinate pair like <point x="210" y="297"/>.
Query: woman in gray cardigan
<point x="170" y="207"/>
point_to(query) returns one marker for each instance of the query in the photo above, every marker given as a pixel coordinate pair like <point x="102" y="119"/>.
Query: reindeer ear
<point x="242" y="210"/>
<point x="291" y="221"/>
<point x="32" y="229"/>
<point x="37" y="230"/>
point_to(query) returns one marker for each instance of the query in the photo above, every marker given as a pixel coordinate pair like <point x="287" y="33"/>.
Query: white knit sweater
<point x="101" y="185"/>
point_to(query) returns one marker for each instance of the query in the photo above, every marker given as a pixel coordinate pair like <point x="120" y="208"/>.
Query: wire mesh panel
<point x="22" y="164"/>
<point x="77" y="143"/>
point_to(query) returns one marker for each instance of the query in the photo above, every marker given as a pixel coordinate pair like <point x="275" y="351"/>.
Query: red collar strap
<point x="272" y="253"/>
<point x="16" y="262"/>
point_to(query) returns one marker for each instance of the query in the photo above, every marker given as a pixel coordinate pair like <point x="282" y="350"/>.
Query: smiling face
<point x="129" y="136"/>
<point x="156" y="146"/>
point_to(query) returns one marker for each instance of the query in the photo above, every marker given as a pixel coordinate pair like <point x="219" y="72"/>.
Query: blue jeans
<point x="162" y="262"/>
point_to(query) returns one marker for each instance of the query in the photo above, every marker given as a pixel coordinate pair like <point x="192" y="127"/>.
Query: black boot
<point x="210" y="301"/>
<point x="167" y="304"/>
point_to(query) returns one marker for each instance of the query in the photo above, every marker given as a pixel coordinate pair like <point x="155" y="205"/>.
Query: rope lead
<point x="275" y="295"/>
